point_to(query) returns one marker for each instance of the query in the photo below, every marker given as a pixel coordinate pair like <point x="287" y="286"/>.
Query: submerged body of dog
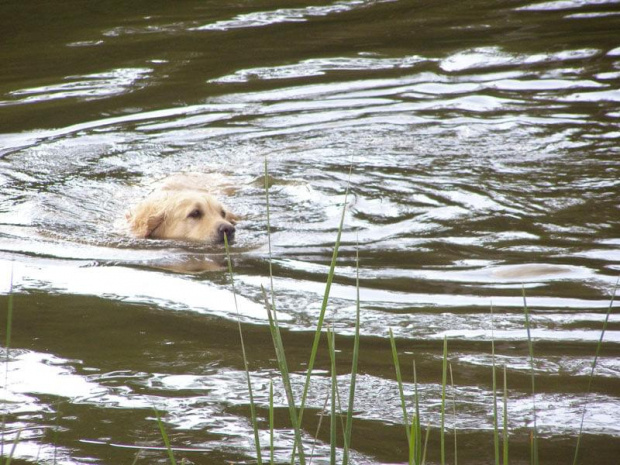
<point x="183" y="208"/>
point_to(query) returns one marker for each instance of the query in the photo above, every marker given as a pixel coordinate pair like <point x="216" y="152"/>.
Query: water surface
<point x="479" y="142"/>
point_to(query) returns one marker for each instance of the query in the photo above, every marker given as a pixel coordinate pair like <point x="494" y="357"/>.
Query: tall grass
<point x="165" y="437"/>
<point x="354" y="362"/>
<point x="417" y="454"/>
<point x="399" y="380"/>
<point x="284" y="374"/>
<point x="417" y="444"/>
<point x="319" y="326"/>
<point x="333" y="425"/>
<point x="274" y="328"/>
<point x="297" y="416"/>
<point x="496" y="441"/>
<point x="454" y="413"/>
<point x="417" y="448"/>
<point x="415" y="441"/>
<point x="12" y="452"/>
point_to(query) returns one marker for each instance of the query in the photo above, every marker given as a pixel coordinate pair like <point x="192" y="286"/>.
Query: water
<point x="482" y="144"/>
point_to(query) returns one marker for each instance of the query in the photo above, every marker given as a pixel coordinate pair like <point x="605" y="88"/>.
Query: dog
<point x="183" y="207"/>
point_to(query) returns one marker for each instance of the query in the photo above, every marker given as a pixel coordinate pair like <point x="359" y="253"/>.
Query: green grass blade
<point x="593" y="368"/>
<point x="333" y="427"/>
<point x="286" y="380"/>
<point x="137" y="457"/>
<point x="245" y="358"/>
<point x="399" y="379"/>
<point x="318" y="427"/>
<point x="415" y="433"/>
<point x="317" y="335"/>
<point x="274" y="327"/>
<point x="354" y="363"/>
<point x="444" y="378"/>
<point x="12" y="453"/>
<point x="412" y="441"/>
<point x="164" y="436"/>
<point x="428" y="430"/>
<point x="273" y="304"/>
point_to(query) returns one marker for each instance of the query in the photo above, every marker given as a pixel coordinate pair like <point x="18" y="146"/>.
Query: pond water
<point x="480" y="143"/>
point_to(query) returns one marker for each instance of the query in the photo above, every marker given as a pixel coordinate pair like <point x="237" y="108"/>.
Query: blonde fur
<point x="179" y="210"/>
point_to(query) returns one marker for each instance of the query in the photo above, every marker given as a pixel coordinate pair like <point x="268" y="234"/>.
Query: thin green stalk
<point x="428" y="430"/>
<point x="399" y="379"/>
<point x="505" y="419"/>
<point x="593" y="367"/>
<point x="245" y="358"/>
<point x="271" y="454"/>
<point x="444" y="377"/>
<point x="356" y="347"/>
<point x="415" y="433"/>
<point x="274" y="327"/>
<point x="137" y="457"/>
<point x="534" y="450"/>
<point x="414" y="438"/>
<point x="318" y="426"/>
<point x="273" y="304"/>
<point x="165" y="437"/>
<point x="333" y="427"/>
<point x="418" y="427"/>
<point x="317" y="334"/>
<point x="12" y="453"/>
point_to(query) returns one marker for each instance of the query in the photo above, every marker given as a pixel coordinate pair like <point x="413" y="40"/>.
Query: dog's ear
<point x="231" y="217"/>
<point x="145" y="219"/>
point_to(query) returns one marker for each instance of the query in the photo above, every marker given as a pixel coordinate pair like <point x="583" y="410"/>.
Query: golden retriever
<point x="183" y="207"/>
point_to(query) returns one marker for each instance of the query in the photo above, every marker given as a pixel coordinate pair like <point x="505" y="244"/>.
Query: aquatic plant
<point x="412" y="422"/>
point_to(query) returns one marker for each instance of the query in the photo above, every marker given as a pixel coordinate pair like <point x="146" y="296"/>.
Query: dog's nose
<point x="226" y="229"/>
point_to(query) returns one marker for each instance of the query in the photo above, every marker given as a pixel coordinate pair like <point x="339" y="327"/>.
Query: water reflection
<point x="482" y="142"/>
<point x="92" y="86"/>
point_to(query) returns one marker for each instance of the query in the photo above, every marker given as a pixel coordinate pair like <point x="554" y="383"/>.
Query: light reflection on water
<point x="481" y="166"/>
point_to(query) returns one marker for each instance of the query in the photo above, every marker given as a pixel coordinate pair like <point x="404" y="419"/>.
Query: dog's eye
<point x="223" y="213"/>
<point x="195" y="214"/>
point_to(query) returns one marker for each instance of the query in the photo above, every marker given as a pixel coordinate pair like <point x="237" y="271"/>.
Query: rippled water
<point x="481" y="140"/>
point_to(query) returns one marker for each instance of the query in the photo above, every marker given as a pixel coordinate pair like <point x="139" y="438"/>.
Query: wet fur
<point x="182" y="207"/>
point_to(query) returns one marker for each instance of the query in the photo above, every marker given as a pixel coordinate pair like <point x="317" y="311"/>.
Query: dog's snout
<point x="226" y="229"/>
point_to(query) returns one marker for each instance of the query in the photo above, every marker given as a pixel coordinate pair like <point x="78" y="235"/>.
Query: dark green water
<point x="483" y="139"/>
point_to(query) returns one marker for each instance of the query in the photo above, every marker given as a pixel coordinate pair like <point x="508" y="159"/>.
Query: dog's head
<point x="186" y="215"/>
